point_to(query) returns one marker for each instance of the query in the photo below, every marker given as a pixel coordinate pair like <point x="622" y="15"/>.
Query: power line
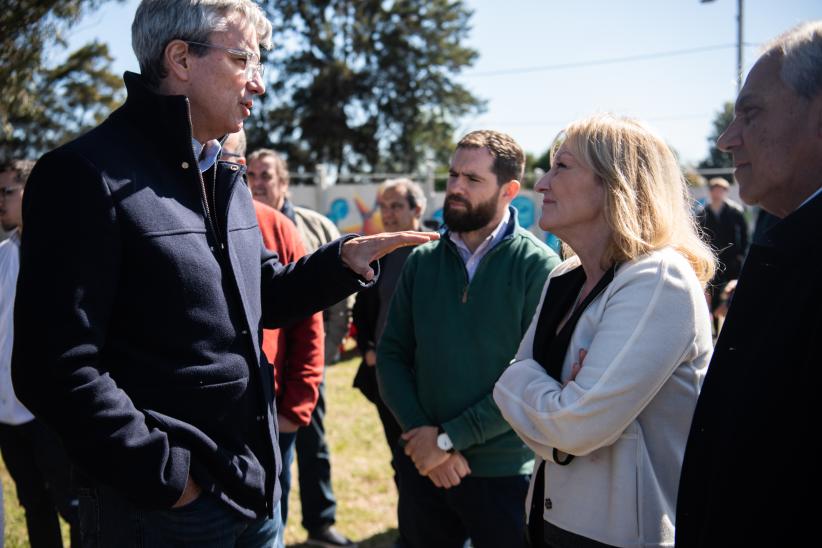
<point x="542" y="123"/>
<point x="596" y="62"/>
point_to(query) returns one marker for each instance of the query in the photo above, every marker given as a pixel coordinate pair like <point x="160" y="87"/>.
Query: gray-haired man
<point x="749" y="458"/>
<point x="138" y="330"/>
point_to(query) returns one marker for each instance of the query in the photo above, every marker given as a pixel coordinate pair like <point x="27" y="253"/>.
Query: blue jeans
<point x="286" y="441"/>
<point x="107" y="519"/>
<point x="489" y="511"/>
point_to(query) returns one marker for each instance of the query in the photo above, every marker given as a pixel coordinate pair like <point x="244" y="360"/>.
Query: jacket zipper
<point x="452" y="247"/>
<point x="214" y="201"/>
<point x="203" y="192"/>
<point x="212" y="223"/>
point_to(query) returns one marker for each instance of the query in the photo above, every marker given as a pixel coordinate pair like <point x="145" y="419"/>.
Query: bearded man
<point x="457" y="317"/>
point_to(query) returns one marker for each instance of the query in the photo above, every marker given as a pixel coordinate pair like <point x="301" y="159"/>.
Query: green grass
<point x="360" y="465"/>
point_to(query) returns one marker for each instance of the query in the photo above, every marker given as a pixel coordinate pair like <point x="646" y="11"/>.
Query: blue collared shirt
<point x="206" y="154"/>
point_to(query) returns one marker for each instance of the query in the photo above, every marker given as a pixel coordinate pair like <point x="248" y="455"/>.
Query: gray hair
<point x="413" y="192"/>
<point x="158" y="22"/>
<point x="280" y="166"/>
<point x="801" y="53"/>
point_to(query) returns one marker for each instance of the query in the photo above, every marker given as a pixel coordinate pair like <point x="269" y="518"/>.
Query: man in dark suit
<point x="747" y="462"/>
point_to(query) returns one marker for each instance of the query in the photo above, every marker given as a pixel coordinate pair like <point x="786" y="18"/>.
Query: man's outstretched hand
<point x="359" y="253"/>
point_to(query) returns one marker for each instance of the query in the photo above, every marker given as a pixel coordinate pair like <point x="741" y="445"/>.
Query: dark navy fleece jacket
<point x="142" y="294"/>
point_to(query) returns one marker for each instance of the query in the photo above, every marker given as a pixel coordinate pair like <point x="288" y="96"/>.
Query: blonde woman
<point x="604" y="384"/>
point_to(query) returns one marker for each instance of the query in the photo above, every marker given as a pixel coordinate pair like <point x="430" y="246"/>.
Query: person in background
<point x="268" y="181"/>
<point x="144" y="287"/>
<point x="459" y="310"/>
<point x="606" y="378"/>
<point x="724" y="225"/>
<point x="33" y="454"/>
<point x="749" y="467"/>
<point x="402" y="205"/>
<point x="295" y="351"/>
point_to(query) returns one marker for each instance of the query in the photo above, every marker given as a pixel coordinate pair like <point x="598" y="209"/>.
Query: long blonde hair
<point x="647" y="205"/>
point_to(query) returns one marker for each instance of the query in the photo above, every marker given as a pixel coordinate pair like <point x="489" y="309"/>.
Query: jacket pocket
<point x="596" y="495"/>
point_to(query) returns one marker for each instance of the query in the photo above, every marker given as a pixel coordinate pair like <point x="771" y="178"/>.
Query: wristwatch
<point x="444" y="442"/>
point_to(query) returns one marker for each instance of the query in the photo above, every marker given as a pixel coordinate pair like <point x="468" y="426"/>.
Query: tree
<point x="543" y="161"/>
<point x="717" y="158"/>
<point x="365" y="84"/>
<point x="42" y="106"/>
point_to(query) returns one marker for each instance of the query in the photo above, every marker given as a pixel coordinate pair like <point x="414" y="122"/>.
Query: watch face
<point x="444" y="442"/>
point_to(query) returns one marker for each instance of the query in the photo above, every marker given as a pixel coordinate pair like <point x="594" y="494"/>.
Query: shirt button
<point x="244" y="332"/>
<point x="184" y="165"/>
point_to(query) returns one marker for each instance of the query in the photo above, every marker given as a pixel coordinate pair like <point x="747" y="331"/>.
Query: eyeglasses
<point x="232" y="157"/>
<point x="252" y="60"/>
<point x="8" y="191"/>
<point x="393" y="206"/>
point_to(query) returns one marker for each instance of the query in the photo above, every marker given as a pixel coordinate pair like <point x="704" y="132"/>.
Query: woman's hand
<point x="576" y="367"/>
<point x="190" y="493"/>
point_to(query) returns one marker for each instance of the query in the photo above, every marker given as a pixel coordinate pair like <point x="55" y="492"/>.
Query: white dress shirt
<point x="11" y="410"/>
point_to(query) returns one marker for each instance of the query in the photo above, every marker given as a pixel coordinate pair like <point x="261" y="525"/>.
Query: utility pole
<point x="739" y="42"/>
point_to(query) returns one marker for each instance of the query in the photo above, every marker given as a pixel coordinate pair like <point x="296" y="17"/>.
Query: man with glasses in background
<point x="138" y="331"/>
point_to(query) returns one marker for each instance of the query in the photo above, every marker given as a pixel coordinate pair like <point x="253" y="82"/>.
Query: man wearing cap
<point x="724" y="225"/>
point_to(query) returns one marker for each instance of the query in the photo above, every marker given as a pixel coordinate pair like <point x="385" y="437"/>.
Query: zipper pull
<point x="465" y="295"/>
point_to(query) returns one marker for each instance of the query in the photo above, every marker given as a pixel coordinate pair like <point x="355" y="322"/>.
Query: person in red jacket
<point x="296" y="352"/>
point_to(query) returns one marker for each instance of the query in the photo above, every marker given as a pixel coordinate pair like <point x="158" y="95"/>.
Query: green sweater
<point x="447" y="342"/>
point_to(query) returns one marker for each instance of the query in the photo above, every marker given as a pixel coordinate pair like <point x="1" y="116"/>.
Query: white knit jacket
<point x="627" y="414"/>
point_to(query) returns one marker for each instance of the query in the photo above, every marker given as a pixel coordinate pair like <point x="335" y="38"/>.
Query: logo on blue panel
<point x="338" y="210"/>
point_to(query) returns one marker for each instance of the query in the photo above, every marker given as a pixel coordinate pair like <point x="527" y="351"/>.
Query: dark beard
<point x="473" y="218"/>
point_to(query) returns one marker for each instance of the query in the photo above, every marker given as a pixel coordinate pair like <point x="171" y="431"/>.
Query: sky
<point x="545" y="63"/>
